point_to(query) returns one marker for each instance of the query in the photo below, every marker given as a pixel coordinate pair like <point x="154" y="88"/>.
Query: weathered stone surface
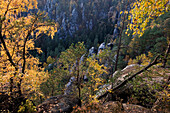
<point x="112" y="107"/>
<point x="70" y="86"/>
<point x="143" y="86"/>
<point x="91" y="51"/>
<point x="101" y="47"/>
<point x="130" y="108"/>
<point x="58" y="104"/>
<point x="117" y="107"/>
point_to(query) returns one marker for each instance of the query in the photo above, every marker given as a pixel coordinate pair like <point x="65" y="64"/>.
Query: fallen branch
<point x="130" y="78"/>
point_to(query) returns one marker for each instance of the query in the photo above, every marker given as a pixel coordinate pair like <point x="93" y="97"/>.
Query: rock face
<point x="110" y="45"/>
<point x="116" y="33"/>
<point x="128" y="69"/>
<point x="101" y="47"/>
<point x="58" y="104"/>
<point x="70" y="87"/>
<point x="122" y="74"/>
<point x="91" y="51"/>
<point x="74" y="14"/>
<point x="130" y="108"/>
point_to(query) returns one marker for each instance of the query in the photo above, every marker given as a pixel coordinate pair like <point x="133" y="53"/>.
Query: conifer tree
<point x="70" y="62"/>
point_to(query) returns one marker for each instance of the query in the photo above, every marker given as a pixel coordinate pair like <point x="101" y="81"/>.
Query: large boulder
<point x="141" y="87"/>
<point x="120" y="76"/>
<point x="126" y="71"/>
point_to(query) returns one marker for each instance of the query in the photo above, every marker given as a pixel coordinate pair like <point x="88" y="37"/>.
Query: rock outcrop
<point x="70" y="86"/>
<point x="126" y="92"/>
<point x="101" y="47"/>
<point x="91" y="52"/>
<point x="72" y="15"/>
<point x="58" y="104"/>
<point x="112" y="107"/>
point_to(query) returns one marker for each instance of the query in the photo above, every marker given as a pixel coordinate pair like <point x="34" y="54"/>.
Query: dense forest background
<point x="89" y="21"/>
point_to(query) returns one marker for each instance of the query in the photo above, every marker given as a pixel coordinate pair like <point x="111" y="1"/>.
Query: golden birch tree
<point x="142" y="11"/>
<point x="19" y="70"/>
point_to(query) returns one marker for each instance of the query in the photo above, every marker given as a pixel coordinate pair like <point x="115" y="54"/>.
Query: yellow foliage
<point x="95" y="72"/>
<point x="143" y="11"/>
<point x="142" y="59"/>
<point x="16" y="31"/>
<point x="50" y="60"/>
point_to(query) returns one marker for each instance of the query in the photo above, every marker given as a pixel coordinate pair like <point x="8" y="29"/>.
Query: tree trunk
<point x="118" y="50"/>
<point x="166" y="55"/>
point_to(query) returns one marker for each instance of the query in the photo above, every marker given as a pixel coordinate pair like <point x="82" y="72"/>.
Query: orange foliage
<point x="16" y="32"/>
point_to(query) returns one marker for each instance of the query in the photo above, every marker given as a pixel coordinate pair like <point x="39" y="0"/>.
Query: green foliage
<point x="72" y="55"/>
<point x="65" y="68"/>
<point x="55" y="83"/>
<point x="148" y="87"/>
<point x="154" y="39"/>
<point x="142" y="93"/>
<point x="50" y="60"/>
<point x="27" y="107"/>
<point x="68" y="65"/>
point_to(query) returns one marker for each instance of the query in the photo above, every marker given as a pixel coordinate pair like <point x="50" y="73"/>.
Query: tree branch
<point x="7" y="52"/>
<point x="25" y="41"/>
<point x="131" y="77"/>
<point x="23" y="55"/>
<point x="7" y="8"/>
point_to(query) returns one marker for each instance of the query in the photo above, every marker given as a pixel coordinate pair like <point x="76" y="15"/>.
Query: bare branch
<point x="25" y="41"/>
<point x="7" y="8"/>
<point x="131" y="77"/>
<point x="7" y="52"/>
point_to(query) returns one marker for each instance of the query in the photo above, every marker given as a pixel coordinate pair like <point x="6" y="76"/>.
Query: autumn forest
<point x="84" y="56"/>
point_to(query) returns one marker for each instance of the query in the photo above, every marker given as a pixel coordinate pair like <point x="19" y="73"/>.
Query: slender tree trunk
<point x="9" y="58"/>
<point x="52" y="92"/>
<point x="78" y="79"/>
<point x="118" y="49"/>
<point x="166" y="55"/>
<point x="11" y="84"/>
<point x="6" y="50"/>
<point x="24" y="55"/>
<point x="119" y="44"/>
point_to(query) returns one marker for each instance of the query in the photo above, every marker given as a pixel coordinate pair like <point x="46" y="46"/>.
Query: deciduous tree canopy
<point x="145" y="10"/>
<point x="18" y="29"/>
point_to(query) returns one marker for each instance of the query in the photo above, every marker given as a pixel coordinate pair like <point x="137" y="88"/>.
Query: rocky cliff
<point x="74" y="15"/>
